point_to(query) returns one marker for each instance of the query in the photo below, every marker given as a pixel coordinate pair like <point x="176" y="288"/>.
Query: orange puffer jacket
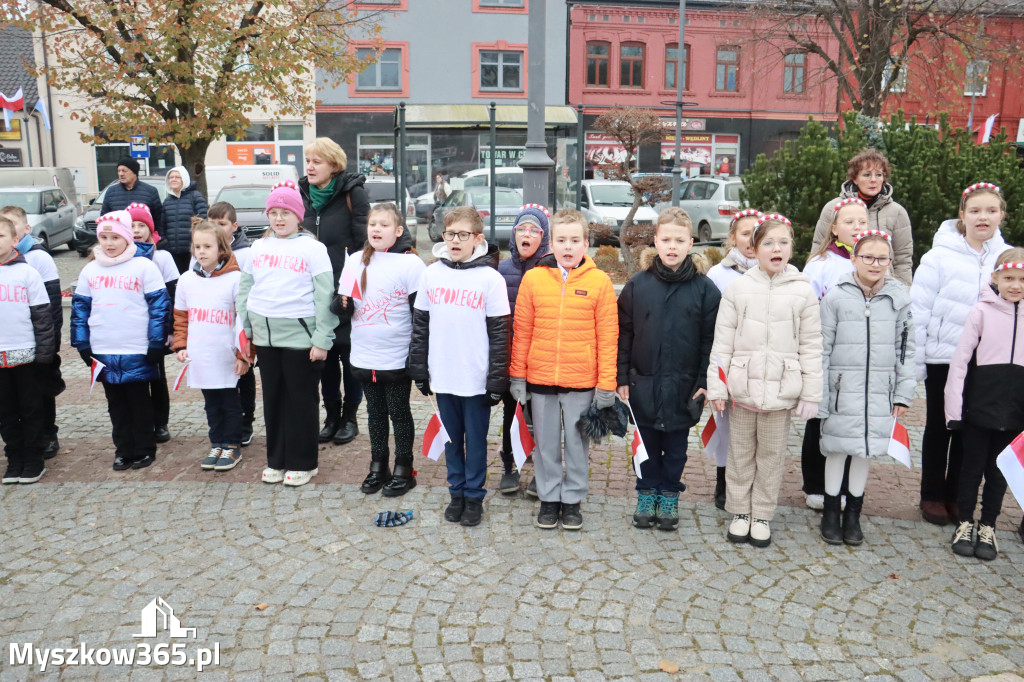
<point x="566" y="334"/>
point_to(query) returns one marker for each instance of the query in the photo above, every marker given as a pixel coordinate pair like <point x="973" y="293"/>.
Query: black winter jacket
<point x="666" y="328"/>
<point x="178" y="214"/>
<point x="117" y="198"/>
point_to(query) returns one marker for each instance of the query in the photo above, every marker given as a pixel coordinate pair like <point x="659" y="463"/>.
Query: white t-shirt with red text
<point x="459" y="302"/>
<point x="282" y="272"/>
<point x="210" y="303"/>
<point x="382" y="321"/>
<point x="119" y="321"/>
<point x="21" y="287"/>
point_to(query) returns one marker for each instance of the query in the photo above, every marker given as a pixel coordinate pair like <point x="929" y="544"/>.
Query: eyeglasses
<point x="875" y="260"/>
<point x="782" y="243"/>
<point x="463" y="236"/>
<point x="528" y="229"/>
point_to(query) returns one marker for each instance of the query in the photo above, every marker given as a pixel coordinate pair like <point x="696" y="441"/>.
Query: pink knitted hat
<point x="285" y="194"/>
<point x="118" y="222"/>
<point x="141" y="213"/>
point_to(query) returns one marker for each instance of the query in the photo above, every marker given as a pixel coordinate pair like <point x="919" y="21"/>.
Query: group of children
<point x="840" y="345"/>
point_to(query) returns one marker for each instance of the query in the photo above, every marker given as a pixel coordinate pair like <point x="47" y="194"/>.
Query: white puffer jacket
<point x="946" y="286"/>
<point x="768" y="337"/>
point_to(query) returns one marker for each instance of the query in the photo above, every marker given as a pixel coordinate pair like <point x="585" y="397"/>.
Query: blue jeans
<point x="465" y="420"/>
<point x="666" y="457"/>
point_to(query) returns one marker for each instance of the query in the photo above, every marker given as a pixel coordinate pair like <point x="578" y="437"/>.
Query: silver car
<point x="507" y="205"/>
<point x="50" y="214"/>
<point x="250" y="204"/>
<point x="710" y="202"/>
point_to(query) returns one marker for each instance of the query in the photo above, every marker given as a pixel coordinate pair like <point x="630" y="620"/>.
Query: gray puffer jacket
<point x="868" y="365"/>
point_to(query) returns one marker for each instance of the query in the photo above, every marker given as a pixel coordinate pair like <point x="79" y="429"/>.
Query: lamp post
<point x="677" y="169"/>
<point x="536" y="163"/>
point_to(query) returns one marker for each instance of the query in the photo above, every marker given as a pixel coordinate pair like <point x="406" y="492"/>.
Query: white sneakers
<point x="292" y="478"/>
<point x="273" y="475"/>
<point x="739" y="529"/>
<point x="742" y="530"/>
<point x="760" y="533"/>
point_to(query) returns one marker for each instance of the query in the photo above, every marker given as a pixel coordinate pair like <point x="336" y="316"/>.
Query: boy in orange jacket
<point x="563" y="358"/>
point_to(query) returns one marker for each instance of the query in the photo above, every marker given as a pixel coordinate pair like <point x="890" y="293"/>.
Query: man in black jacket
<point x="129" y="190"/>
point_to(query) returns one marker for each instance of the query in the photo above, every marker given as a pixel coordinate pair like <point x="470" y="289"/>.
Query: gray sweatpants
<point x="553" y="416"/>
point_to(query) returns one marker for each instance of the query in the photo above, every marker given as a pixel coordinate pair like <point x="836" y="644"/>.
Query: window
<point x="631" y="65"/>
<point x="900" y="83"/>
<point x="597" y="65"/>
<point x="727" y="67"/>
<point x="501" y="3"/>
<point x="793" y="73"/>
<point x="384" y="74"/>
<point x="501" y="70"/>
<point x="672" y="64"/>
<point x="501" y="6"/>
<point x="976" y="82"/>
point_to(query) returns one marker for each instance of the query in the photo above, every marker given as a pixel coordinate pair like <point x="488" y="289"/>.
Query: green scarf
<point x="319" y="197"/>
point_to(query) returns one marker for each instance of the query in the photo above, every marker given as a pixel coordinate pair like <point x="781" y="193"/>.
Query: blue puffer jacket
<point x="178" y="213"/>
<point x="117" y="198"/>
<point x="514" y="267"/>
<point x="124" y="369"/>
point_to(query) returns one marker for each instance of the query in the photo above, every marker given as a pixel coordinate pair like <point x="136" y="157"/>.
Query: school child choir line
<point x="840" y="346"/>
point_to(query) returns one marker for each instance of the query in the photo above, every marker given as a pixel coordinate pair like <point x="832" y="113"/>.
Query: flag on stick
<point x="990" y="123"/>
<point x="434" y="438"/>
<point x="715" y="435"/>
<point x="244" y="345"/>
<point x="94" y="372"/>
<point x="639" y="452"/>
<point x="348" y="285"/>
<point x="41" y="108"/>
<point x="181" y="376"/>
<point x="522" y="442"/>
<point x="9" y="104"/>
<point x="1011" y="462"/>
<point x="899" y="444"/>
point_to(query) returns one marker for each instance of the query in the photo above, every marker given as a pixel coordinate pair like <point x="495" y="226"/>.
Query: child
<point x="768" y="337"/>
<point x="984" y="400"/>
<point x="119" y="318"/>
<point x="459" y="350"/>
<point x="531" y="241"/>
<point x="868" y="367"/>
<point x="27" y="343"/>
<point x="146" y="239"/>
<point x="204" y="337"/>
<point x="36" y="255"/>
<point x="825" y="268"/>
<point x="946" y="285"/>
<point x="667" y="317"/>
<point x="284" y="300"/>
<point x="563" y="358"/>
<point x="741" y="257"/>
<point x="222" y="214"/>
<point x="381" y="328"/>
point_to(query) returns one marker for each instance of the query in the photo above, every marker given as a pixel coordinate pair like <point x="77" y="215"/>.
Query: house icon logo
<point x="158" y="615"/>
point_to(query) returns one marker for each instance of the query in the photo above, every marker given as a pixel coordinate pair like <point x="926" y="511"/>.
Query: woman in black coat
<point x="182" y="203"/>
<point x="336" y="210"/>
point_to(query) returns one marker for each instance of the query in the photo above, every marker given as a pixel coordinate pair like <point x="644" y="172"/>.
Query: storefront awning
<point x="462" y="115"/>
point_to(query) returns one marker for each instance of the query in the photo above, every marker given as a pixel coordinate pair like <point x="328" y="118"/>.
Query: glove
<point x="955" y="425"/>
<point x="424" y="387"/>
<point x="518" y="390"/>
<point x="154" y="355"/>
<point x="86" y="355"/>
<point x="493" y="399"/>
<point x="806" y="410"/>
<point x="603" y="398"/>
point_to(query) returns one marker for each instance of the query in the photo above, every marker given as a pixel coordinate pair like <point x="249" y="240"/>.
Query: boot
<point x="404" y="479"/>
<point x="852" y="534"/>
<point x="331" y="421"/>
<point x="646" y="501"/>
<point x="831" y="532"/>
<point x="378" y="476"/>
<point x="347" y="428"/>
<point x="720" y="487"/>
<point x="667" y="515"/>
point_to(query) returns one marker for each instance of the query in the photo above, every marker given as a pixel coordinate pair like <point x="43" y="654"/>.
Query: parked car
<point x="50" y="213"/>
<point x="425" y="207"/>
<point x="507" y="204"/>
<point x="710" y="202"/>
<point x="607" y="202"/>
<point x="250" y="202"/>
<point x="219" y="177"/>
<point x="84" y="235"/>
<point x="381" y="189"/>
<point x="504" y="176"/>
<point x="44" y="176"/>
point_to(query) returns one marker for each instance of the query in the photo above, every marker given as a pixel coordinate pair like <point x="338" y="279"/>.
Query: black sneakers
<point x="547" y="518"/>
<point x="473" y="512"/>
<point x="455" y="509"/>
<point x="509" y="482"/>
<point x="964" y="539"/>
<point x="987" y="548"/>
<point x="571" y="517"/>
<point x="161" y="434"/>
<point x="51" y="449"/>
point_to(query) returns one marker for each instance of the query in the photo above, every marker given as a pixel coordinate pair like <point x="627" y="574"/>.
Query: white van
<point x="219" y="177"/>
<point x="44" y="176"/>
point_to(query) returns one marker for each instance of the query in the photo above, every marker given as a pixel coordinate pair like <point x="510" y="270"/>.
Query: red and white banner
<point x="244" y="345"/>
<point x="715" y="436"/>
<point x="9" y="104"/>
<point x="990" y="123"/>
<point x="899" y="444"/>
<point x="349" y="285"/>
<point x="434" y="438"/>
<point x="639" y="452"/>
<point x="94" y="372"/>
<point x="181" y="377"/>
<point x="522" y="442"/>
<point x="1011" y="462"/>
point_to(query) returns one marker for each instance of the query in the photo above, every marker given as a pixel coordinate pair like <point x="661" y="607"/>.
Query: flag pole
<point x="438" y="413"/>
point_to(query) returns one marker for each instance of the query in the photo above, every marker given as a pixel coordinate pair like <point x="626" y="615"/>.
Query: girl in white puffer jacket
<point x="946" y="286"/>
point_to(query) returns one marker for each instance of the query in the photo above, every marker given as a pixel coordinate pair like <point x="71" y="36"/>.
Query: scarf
<point x="106" y="261"/>
<point x="684" y="273"/>
<point x="737" y="261"/>
<point x="866" y="199"/>
<point x="840" y="249"/>
<point x="319" y="197"/>
<point x="869" y="292"/>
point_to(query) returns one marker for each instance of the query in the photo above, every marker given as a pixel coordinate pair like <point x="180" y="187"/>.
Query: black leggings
<point x="983" y="446"/>
<point x="941" y="449"/>
<point x="385" y="400"/>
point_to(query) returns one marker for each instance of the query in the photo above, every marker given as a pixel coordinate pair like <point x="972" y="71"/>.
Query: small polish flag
<point x="348" y="285"/>
<point x="181" y="377"/>
<point x="715" y="435"/>
<point x="94" y="372"/>
<point x="244" y="345"/>
<point x="1011" y="462"/>
<point x="434" y="438"/>
<point x="522" y="442"/>
<point x="639" y="452"/>
<point x="899" y="444"/>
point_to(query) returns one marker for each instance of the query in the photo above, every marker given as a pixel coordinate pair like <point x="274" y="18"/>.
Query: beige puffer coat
<point x="768" y="338"/>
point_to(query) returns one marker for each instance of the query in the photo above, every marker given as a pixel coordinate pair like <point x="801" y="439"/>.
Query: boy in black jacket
<point x="667" y="315"/>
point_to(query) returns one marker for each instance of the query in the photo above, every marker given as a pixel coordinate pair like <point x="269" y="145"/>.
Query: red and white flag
<point x="715" y="435"/>
<point x="434" y="438"/>
<point x="639" y="451"/>
<point x="9" y="104"/>
<point x="94" y="372"/>
<point x="899" y="444"/>
<point x="244" y="345"/>
<point x="1011" y="462"/>
<point x="181" y="377"/>
<point x="522" y="442"/>
<point x="348" y="285"/>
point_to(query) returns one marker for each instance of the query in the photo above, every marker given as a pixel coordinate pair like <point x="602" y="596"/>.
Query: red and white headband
<point x="1010" y="266"/>
<point x="745" y="213"/>
<point x="847" y="202"/>
<point x="777" y="217"/>
<point x="871" y="233"/>
<point x="982" y="185"/>
<point x="290" y="184"/>
<point x="540" y="208"/>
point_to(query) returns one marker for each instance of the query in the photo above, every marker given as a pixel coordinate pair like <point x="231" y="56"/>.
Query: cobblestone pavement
<point x="87" y="548"/>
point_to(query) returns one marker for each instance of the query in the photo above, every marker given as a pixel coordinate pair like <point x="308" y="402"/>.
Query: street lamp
<point x="677" y="169"/>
